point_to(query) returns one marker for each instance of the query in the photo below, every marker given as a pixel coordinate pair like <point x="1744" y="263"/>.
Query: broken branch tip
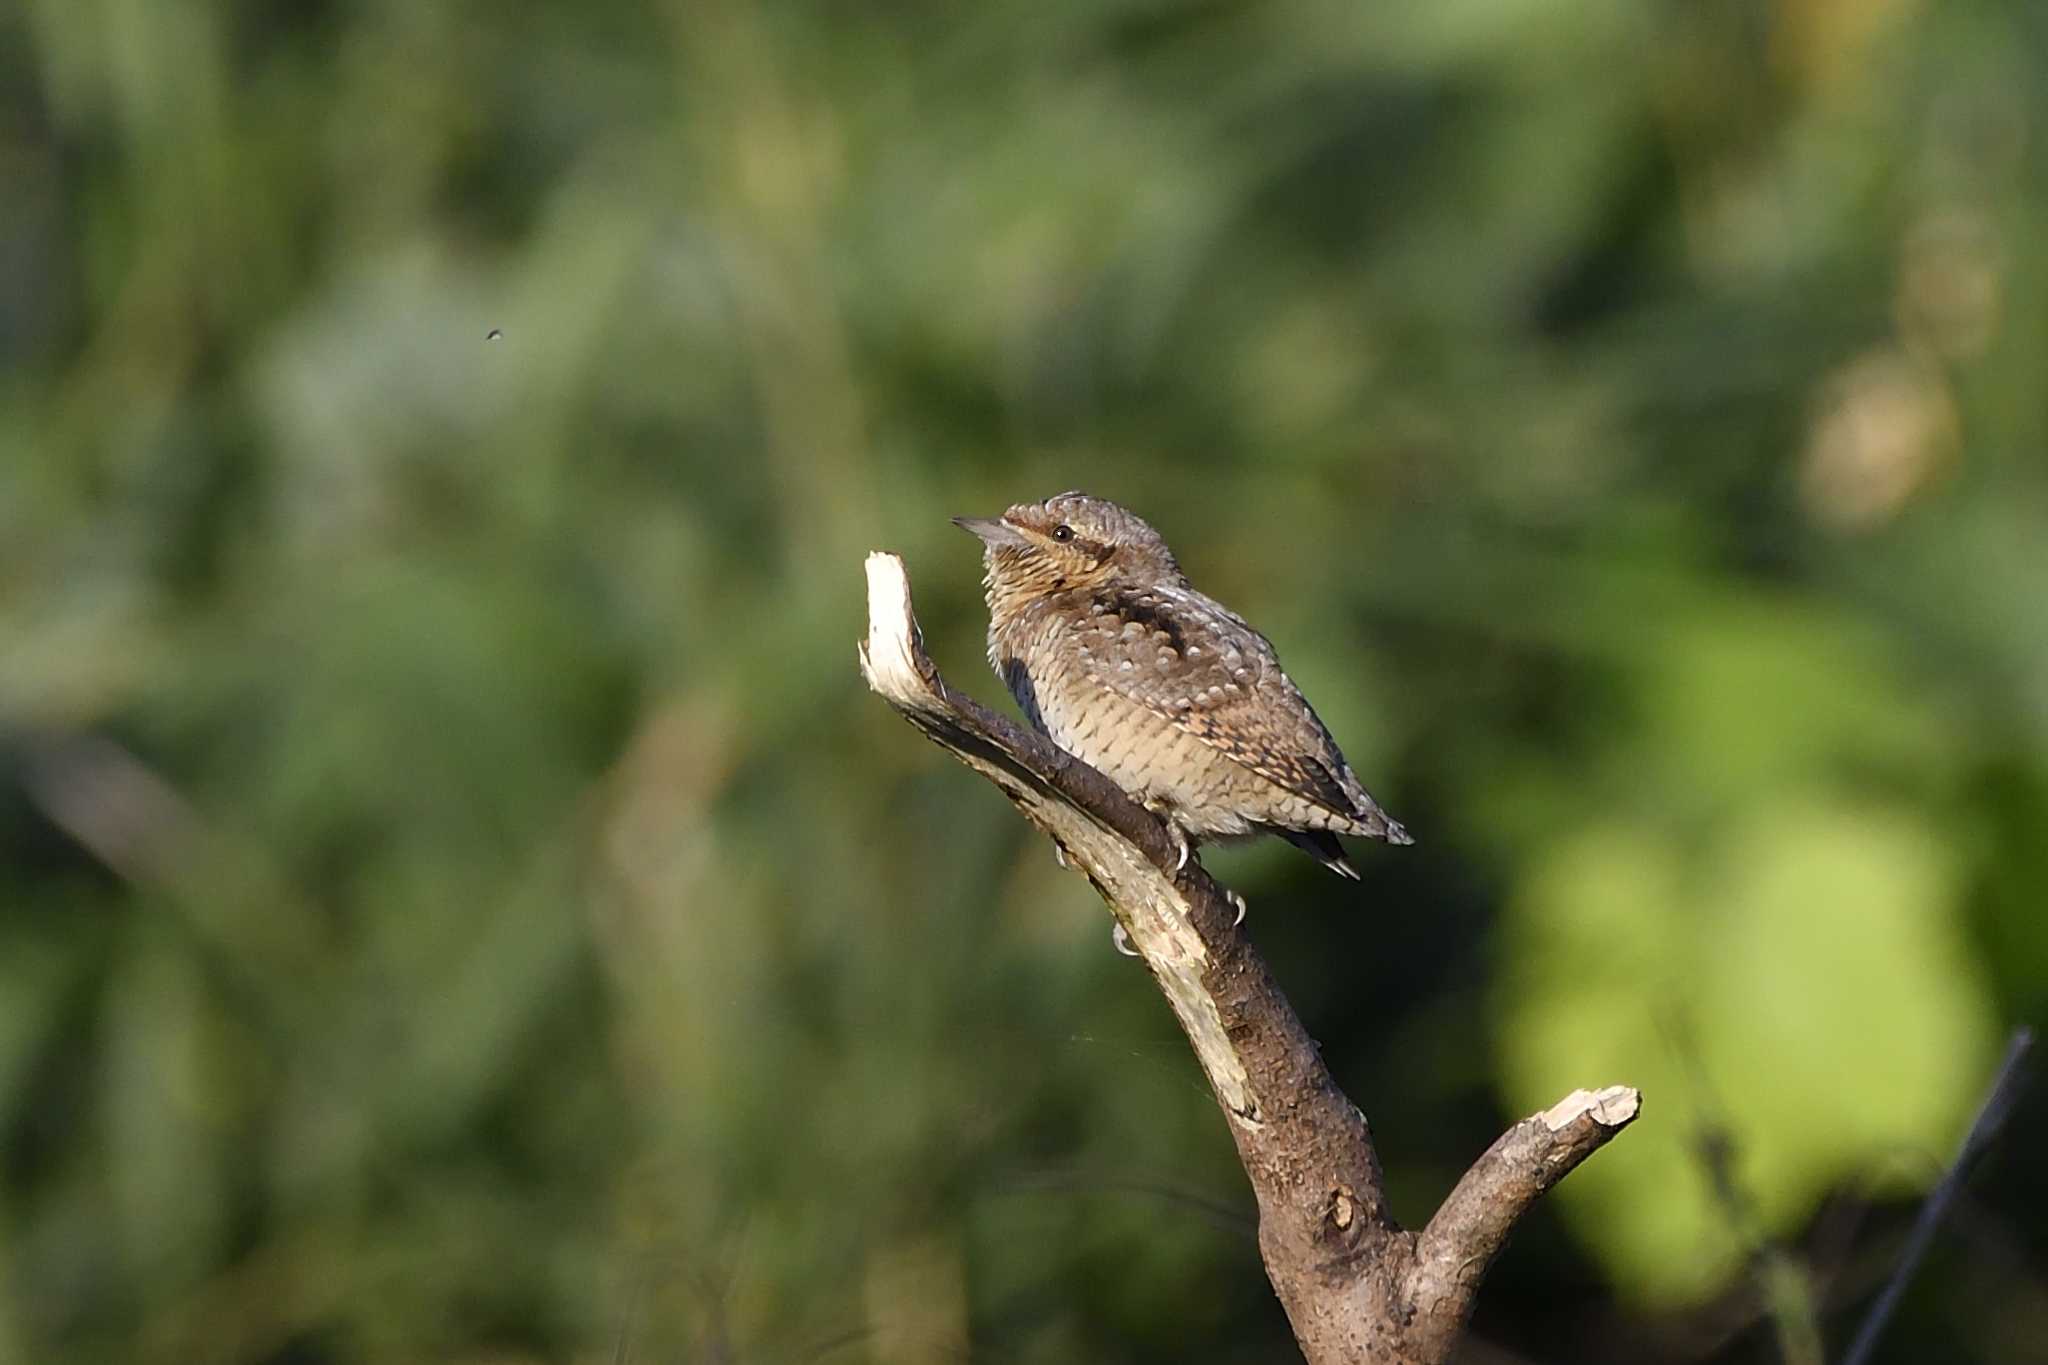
<point x="1612" y="1107"/>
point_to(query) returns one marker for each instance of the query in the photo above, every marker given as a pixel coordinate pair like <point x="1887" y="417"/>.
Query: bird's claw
<point x="1235" y="899"/>
<point x="1059" y="854"/>
<point x="1182" y="847"/>
<point x="1121" y="939"/>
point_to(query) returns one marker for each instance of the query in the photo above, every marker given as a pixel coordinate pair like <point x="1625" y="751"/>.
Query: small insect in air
<point x="494" y="335"/>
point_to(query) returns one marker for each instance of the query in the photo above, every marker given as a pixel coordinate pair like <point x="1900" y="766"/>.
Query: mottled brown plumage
<point x="1123" y="664"/>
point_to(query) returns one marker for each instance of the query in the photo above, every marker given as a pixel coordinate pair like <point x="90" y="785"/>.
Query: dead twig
<point x="1357" y="1286"/>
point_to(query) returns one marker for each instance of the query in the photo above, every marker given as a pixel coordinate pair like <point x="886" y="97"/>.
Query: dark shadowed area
<point x="459" y="902"/>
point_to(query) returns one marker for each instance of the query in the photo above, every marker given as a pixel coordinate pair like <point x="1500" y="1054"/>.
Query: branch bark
<point x="1356" y="1286"/>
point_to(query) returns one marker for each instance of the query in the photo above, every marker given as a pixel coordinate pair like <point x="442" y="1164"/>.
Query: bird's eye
<point x="1063" y="533"/>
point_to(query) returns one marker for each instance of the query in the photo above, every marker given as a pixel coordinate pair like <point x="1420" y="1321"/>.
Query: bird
<point x="1114" y="656"/>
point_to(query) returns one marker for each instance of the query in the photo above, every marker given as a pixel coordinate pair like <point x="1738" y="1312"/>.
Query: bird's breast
<point x="1161" y="764"/>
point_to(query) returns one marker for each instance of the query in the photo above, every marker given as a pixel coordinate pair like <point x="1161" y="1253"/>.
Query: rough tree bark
<point x="1356" y="1286"/>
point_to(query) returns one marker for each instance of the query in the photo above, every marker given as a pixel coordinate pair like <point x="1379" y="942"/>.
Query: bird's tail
<point x="1321" y="845"/>
<point x="1385" y="826"/>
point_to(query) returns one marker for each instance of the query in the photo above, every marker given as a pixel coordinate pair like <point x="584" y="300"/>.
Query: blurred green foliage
<point x="457" y="902"/>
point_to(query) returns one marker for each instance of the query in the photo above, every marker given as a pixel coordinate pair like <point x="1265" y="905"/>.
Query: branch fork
<point x="1356" y="1286"/>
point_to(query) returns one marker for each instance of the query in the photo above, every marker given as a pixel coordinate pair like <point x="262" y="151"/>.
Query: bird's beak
<point x="993" y="531"/>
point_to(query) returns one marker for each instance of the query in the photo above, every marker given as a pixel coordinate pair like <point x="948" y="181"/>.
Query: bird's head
<point x="1067" y="542"/>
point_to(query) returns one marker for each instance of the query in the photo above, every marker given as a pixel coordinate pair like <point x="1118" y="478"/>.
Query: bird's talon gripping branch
<point x="1237" y="900"/>
<point x="1121" y="939"/>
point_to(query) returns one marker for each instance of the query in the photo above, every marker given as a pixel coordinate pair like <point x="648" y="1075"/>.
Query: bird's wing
<point x="1191" y="660"/>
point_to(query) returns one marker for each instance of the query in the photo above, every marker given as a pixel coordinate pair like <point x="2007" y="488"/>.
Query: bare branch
<point x="1472" y="1225"/>
<point x="1356" y="1287"/>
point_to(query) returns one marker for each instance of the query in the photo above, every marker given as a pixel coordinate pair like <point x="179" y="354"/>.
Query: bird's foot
<point x="1121" y="939"/>
<point x="1059" y="854"/>
<point x="1183" y="847"/>
<point x="1235" y="899"/>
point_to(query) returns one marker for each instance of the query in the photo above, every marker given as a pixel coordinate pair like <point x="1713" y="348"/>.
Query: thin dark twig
<point x="1219" y="1215"/>
<point x="1783" y="1282"/>
<point x="1990" y="1118"/>
<point x="622" y="1345"/>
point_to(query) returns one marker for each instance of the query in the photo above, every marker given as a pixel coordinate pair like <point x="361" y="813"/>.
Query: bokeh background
<point x="458" y="902"/>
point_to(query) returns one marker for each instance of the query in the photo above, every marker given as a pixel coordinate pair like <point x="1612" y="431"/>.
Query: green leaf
<point x="1800" y="990"/>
